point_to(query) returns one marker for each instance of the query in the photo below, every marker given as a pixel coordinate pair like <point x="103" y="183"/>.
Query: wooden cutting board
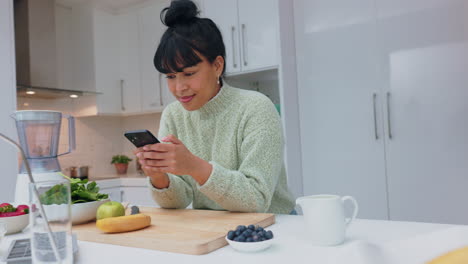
<point x="185" y="231"/>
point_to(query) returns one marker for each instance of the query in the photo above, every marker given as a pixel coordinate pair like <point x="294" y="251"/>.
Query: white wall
<point x="8" y="157"/>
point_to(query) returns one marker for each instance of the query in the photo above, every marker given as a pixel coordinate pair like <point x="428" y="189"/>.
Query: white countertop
<point x="290" y="245"/>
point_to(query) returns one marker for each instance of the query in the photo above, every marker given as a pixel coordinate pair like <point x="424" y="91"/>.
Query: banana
<point x="459" y="256"/>
<point x="123" y="223"/>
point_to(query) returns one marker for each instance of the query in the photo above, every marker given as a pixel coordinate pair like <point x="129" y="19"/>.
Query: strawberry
<point x="9" y="214"/>
<point x="6" y="207"/>
<point x="22" y="208"/>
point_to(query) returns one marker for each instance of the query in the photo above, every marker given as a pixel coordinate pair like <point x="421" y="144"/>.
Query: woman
<point x="224" y="145"/>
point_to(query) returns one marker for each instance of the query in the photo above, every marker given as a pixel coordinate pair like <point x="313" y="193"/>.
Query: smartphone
<point x="141" y="138"/>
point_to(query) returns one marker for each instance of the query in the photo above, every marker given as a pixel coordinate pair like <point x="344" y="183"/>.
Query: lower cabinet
<point x="115" y="194"/>
<point x="140" y="196"/>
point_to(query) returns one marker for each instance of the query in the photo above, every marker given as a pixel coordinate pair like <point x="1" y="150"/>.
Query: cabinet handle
<point x="374" y="99"/>
<point x="122" y="106"/>
<point x="161" y="103"/>
<point x="121" y="195"/>
<point x="389" y="122"/>
<point x="244" y="44"/>
<point x="234" y="63"/>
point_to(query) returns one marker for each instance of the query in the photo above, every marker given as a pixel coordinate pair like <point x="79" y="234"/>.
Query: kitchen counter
<point x="290" y="245"/>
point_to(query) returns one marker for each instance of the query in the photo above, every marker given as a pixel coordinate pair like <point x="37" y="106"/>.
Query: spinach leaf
<point x="82" y="191"/>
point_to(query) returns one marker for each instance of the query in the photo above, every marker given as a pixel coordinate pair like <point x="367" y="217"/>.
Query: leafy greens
<point x="82" y="191"/>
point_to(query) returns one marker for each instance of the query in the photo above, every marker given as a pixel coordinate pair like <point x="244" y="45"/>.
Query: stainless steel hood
<point x="36" y="52"/>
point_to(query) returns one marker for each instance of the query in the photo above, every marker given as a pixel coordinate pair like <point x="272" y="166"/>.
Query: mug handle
<point x="356" y="209"/>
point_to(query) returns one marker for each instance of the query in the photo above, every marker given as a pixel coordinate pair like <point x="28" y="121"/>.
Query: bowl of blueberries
<point x="249" y="238"/>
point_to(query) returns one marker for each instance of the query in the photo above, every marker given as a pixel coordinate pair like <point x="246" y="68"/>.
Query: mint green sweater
<point x="239" y="133"/>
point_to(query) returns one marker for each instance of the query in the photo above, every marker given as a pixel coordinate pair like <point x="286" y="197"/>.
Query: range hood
<point x="36" y="52"/>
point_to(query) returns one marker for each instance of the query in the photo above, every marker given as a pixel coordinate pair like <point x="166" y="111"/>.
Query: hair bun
<point x="179" y="12"/>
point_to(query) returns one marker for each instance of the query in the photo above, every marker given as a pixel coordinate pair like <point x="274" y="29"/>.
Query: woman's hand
<point x="159" y="180"/>
<point x="173" y="158"/>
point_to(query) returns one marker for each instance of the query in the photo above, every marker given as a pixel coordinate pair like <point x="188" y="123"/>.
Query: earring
<point x="217" y="81"/>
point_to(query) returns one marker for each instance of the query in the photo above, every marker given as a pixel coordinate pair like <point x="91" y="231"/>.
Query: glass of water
<point x="54" y="195"/>
<point x="3" y="230"/>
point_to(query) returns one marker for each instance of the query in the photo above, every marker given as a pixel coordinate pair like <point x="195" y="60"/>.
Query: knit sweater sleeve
<point x="250" y="188"/>
<point x="179" y="194"/>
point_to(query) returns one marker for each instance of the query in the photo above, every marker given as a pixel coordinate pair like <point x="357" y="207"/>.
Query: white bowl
<point x="250" y="246"/>
<point x="85" y="212"/>
<point x="15" y="224"/>
<point x="80" y="213"/>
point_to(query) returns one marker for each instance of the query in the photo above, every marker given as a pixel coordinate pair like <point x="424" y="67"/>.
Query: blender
<point x="39" y="134"/>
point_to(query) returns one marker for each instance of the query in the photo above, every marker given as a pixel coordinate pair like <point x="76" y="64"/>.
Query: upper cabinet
<point x="111" y="52"/>
<point x="251" y="41"/>
<point x="150" y="31"/>
<point x="129" y="78"/>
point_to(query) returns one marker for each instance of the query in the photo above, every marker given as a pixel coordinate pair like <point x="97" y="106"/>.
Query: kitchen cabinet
<point x="382" y="108"/>
<point x="106" y="62"/>
<point x="115" y="194"/>
<point x="113" y="55"/>
<point x="140" y="196"/>
<point x="94" y="60"/>
<point x="251" y="40"/>
<point x="424" y="76"/>
<point x="130" y="77"/>
<point x="341" y="136"/>
<point x="153" y="84"/>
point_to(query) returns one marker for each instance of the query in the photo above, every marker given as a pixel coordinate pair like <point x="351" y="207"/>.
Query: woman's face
<point x="196" y="85"/>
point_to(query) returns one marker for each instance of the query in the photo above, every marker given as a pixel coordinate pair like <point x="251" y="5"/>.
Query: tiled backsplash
<point x="98" y="138"/>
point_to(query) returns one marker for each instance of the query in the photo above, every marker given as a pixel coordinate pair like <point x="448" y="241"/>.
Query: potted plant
<point x="121" y="163"/>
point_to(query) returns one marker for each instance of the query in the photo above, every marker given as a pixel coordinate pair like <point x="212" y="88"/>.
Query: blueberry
<point x="255" y="238"/>
<point x="249" y="239"/>
<point x="241" y="228"/>
<point x="269" y="235"/>
<point x="254" y="233"/>
<point x="259" y="228"/>
<point x="246" y="233"/>
<point x="231" y="234"/>
<point x="238" y="232"/>
<point x="241" y="238"/>
<point x="251" y="227"/>
<point x="262" y="239"/>
<point x="261" y="233"/>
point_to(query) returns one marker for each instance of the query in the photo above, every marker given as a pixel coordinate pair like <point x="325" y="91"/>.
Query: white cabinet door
<point x="341" y="123"/>
<point x="151" y="30"/>
<point x="258" y="22"/>
<point x="425" y="62"/>
<point x="224" y="14"/>
<point x="106" y="50"/>
<point x="251" y="40"/>
<point x="140" y="196"/>
<point x="129" y="63"/>
<point x="115" y="194"/>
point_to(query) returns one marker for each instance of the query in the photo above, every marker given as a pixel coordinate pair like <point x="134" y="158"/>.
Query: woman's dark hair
<point x="186" y="35"/>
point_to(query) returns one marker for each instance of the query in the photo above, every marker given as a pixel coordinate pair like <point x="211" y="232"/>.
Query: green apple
<point x="110" y="209"/>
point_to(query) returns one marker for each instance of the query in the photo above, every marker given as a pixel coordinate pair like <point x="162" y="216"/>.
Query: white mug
<point x="324" y="218"/>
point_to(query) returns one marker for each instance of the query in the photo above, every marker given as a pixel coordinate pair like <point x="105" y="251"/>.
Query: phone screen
<point x="141" y="138"/>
